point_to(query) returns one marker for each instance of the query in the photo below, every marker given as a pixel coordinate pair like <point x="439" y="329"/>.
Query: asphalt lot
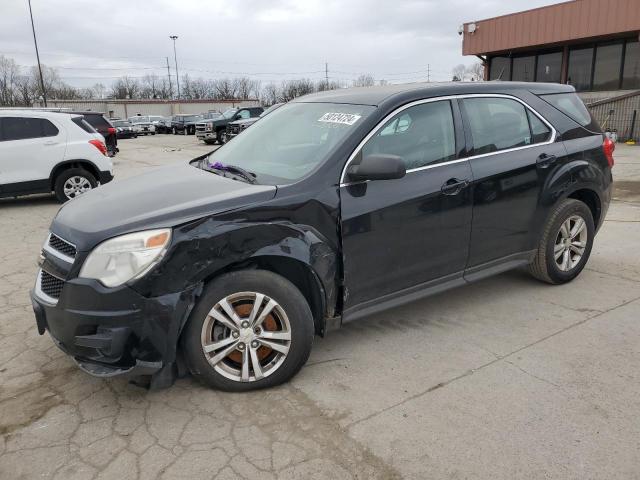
<point x="507" y="378"/>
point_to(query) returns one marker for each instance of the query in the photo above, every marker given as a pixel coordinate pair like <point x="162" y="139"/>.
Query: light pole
<point x="33" y="28"/>
<point x="175" y="57"/>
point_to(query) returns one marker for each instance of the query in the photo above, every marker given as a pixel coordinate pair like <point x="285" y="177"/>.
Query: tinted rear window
<point x="20" y="128"/>
<point x="83" y="124"/>
<point x="97" y="121"/>
<point x="571" y="105"/>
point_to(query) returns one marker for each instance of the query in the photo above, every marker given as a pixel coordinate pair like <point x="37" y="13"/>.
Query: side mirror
<point x="378" y="167"/>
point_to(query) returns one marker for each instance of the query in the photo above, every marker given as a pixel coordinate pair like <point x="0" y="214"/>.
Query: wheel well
<point x="90" y="167"/>
<point x="297" y="273"/>
<point x="591" y="199"/>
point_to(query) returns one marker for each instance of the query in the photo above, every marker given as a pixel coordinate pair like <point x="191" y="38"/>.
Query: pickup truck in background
<point x="236" y="128"/>
<point x="184" y="124"/>
<point x="211" y="131"/>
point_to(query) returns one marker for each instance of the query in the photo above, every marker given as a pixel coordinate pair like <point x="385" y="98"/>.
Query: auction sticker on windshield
<point x="344" y="118"/>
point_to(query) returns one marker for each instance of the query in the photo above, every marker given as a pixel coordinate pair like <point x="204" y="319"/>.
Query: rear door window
<point x="23" y="128"/>
<point x="497" y="124"/>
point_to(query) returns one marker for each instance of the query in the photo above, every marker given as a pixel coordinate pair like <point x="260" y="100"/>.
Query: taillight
<point x="99" y="144"/>
<point x="608" y="146"/>
<point x="111" y="130"/>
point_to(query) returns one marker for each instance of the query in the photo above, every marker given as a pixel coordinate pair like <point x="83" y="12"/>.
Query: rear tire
<point x="566" y="243"/>
<point x="72" y="183"/>
<point x="240" y="349"/>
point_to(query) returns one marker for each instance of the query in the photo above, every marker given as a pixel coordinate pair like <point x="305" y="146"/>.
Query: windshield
<point x="270" y="109"/>
<point x="230" y="113"/>
<point x="138" y="119"/>
<point x="121" y="123"/>
<point x="292" y="141"/>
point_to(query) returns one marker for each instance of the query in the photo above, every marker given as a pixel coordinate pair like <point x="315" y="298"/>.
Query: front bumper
<point x="113" y="331"/>
<point x="206" y="134"/>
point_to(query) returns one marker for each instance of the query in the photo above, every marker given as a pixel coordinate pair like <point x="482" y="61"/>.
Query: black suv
<point x="335" y="206"/>
<point x="185" y="124"/>
<point x="104" y="128"/>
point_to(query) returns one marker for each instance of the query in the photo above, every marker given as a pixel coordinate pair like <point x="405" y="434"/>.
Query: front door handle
<point x="454" y="186"/>
<point x="544" y="160"/>
<point x="50" y="142"/>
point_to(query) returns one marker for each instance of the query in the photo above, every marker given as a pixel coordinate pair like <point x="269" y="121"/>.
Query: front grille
<point x="50" y="285"/>
<point x="62" y="246"/>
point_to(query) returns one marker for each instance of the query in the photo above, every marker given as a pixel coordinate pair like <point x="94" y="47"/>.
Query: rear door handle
<point x="454" y="186"/>
<point x="545" y="160"/>
<point x="51" y="142"/>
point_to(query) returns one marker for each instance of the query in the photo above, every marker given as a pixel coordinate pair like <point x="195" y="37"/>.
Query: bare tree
<point x="125" y="87"/>
<point x="475" y="71"/>
<point x="270" y="94"/>
<point x="459" y="72"/>
<point x="364" y="80"/>
<point x="9" y="79"/>
<point x="291" y="89"/>
<point x="98" y="90"/>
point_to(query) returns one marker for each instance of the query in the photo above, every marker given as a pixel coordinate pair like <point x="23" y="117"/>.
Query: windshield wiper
<point x="233" y="169"/>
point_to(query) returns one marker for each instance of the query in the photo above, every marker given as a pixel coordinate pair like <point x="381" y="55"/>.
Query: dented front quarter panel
<point x="202" y="249"/>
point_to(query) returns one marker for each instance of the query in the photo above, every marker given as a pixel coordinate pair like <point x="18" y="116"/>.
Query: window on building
<point x="524" y="69"/>
<point x="606" y="73"/>
<point x="497" y="124"/>
<point x="500" y="68"/>
<point x="580" y="67"/>
<point x="631" y="74"/>
<point x="422" y="135"/>
<point x="549" y="67"/>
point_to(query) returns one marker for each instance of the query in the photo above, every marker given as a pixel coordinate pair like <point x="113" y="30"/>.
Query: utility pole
<point x="428" y="72"/>
<point x="33" y="28"/>
<point x="169" y="77"/>
<point x="175" y="57"/>
<point x="326" y="74"/>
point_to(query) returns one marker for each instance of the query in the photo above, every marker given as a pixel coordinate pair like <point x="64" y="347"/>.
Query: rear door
<point x="29" y="148"/>
<point x="400" y="235"/>
<point x="513" y="150"/>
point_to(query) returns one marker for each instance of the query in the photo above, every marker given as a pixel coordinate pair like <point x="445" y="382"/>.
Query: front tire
<point x="72" y="183"/>
<point x="220" y="136"/>
<point x="251" y="329"/>
<point x="566" y="243"/>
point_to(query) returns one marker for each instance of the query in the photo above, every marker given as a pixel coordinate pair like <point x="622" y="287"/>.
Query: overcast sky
<point x="271" y="40"/>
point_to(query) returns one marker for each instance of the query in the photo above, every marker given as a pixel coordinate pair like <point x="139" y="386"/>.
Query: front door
<point x="400" y="234"/>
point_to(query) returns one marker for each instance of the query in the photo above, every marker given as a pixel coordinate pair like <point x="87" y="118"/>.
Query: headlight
<point x="120" y="259"/>
<point x="210" y="125"/>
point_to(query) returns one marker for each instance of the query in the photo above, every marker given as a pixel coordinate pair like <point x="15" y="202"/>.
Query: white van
<point x="44" y="152"/>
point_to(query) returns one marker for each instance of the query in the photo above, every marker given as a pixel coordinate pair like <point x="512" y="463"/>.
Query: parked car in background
<point x="185" y="124"/>
<point x="164" y="125"/>
<point x="98" y="121"/>
<point x="337" y="205"/>
<point x="45" y="151"/>
<point x="124" y="129"/>
<point x="143" y="125"/>
<point x="214" y="130"/>
<point x="236" y="127"/>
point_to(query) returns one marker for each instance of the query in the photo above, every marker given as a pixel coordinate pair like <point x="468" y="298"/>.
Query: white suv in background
<point x="44" y="152"/>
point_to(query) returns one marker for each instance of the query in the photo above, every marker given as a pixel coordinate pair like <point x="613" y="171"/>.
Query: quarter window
<point x="421" y="135"/>
<point x="539" y="131"/>
<point x="497" y="124"/>
<point x="20" y="128"/>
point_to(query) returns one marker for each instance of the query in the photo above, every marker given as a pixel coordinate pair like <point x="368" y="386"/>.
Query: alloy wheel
<point x="246" y="336"/>
<point x="76" y="186"/>
<point x="571" y="242"/>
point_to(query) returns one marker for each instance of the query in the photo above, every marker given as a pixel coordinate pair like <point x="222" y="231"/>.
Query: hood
<point x="164" y="197"/>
